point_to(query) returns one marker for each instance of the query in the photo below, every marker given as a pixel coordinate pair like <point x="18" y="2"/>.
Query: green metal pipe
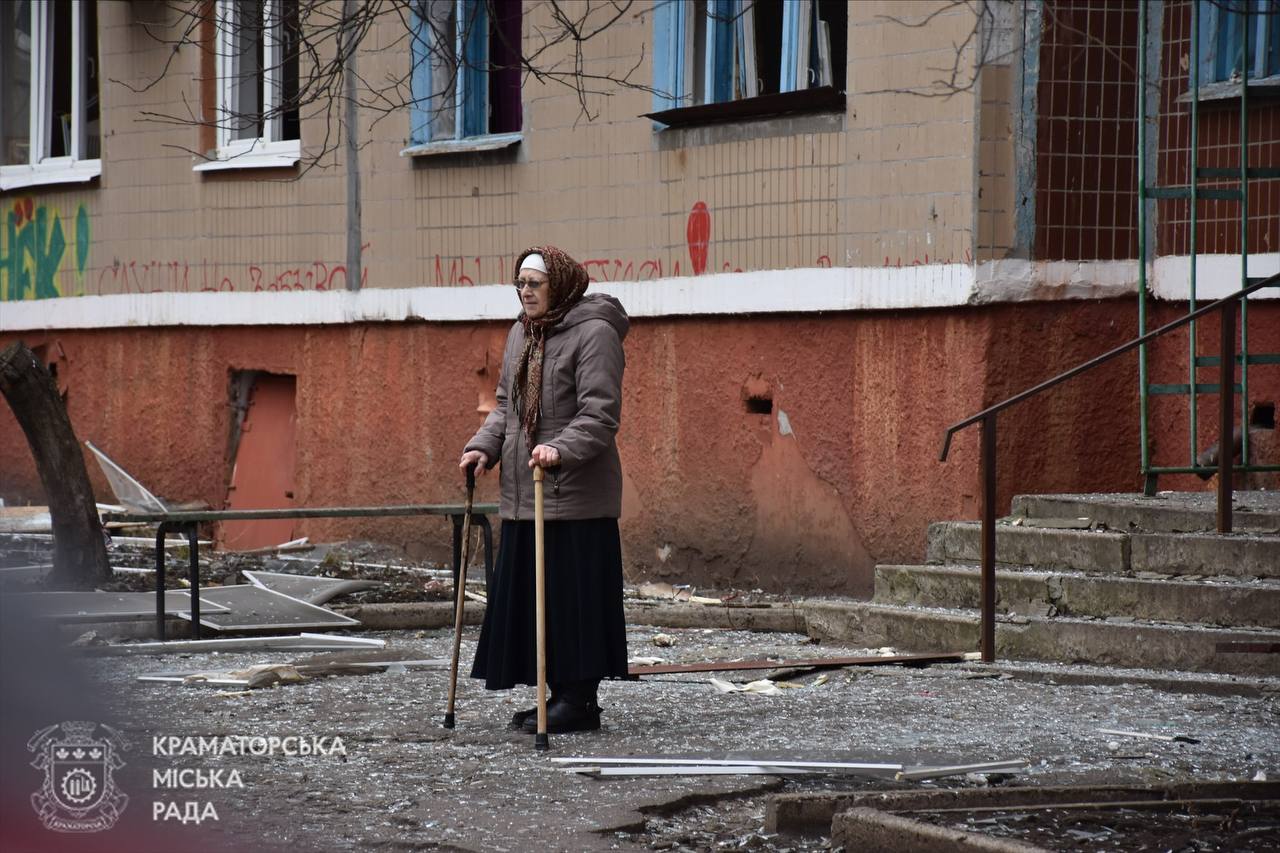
<point x="1142" y="240"/>
<point x="1195" y="219"/>
<point x="1244" y="239"/>
<point x="1192" y="469"/>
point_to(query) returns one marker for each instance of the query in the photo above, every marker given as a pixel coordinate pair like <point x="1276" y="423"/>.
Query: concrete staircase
<point x="1119" y="580"/>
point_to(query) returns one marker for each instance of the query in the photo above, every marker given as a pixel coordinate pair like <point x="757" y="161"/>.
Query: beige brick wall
<point x="892" y="181"/>
<point x="997" y="181"/>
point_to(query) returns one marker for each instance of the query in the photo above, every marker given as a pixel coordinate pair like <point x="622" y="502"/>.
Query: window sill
<point x="256" y="155"/>
<point x="1267" y="88"/>
<point x="62" y="170"/>
<point x="489" y="142"/>
<point x="821" y="99"/>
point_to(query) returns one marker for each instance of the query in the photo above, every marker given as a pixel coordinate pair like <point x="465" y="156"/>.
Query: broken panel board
<point x="256" y="609"/>
<point x="300" y="642"/>
<point x="127" y="490"/>
<point x="313" y="590"/>
<point x="110" y="606"/>
<point x="250" y="677"/>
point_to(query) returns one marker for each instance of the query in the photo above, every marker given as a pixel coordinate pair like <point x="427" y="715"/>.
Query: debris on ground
<point x="405" y="782"/>
<point x="238" y="644"/>
<point x="271" y="674"/>
<point x="666" y="591"/>
<point x="762" y="687"/>
<point x="604" y="766"/>
<point x="421" y="785"/>
<point x="789" y="667"/>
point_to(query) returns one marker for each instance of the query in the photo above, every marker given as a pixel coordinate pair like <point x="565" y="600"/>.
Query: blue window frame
<point x="1224" y="27"/>
<point x="714" y="51"/>
<point x="465" y="78"/>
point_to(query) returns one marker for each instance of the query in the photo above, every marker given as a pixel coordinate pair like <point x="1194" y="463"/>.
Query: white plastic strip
<point x="921" y="773"/>
<point x="691" y="770"/>
<point x="303" y="641"/>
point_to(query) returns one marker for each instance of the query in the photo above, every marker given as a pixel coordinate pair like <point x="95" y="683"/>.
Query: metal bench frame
<point x="187" y="522"/>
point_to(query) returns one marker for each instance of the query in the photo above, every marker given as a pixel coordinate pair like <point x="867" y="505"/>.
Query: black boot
<point x="573" y="709"/>
<point x="519" y="717"/>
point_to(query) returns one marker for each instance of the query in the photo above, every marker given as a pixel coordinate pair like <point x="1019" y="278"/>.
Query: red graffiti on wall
<point x="605" y="269"/>
<point x="460" y="271"/>
<point x="917" y="262"/>
<point x="205" y="276"/>
<point x="698" y="233"/>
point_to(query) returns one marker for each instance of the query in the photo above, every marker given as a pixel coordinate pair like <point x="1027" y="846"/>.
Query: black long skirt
<point x="586" y="630"/>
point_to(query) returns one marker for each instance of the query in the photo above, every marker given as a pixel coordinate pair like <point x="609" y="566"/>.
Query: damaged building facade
<point x="838" y="227"/>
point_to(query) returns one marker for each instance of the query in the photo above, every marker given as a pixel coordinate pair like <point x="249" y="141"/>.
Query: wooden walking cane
<point x="540" y="607"/>
<point x="460" y="593"/>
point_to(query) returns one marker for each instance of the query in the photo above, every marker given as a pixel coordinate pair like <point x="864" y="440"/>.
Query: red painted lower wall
<point x="842" y="474"/>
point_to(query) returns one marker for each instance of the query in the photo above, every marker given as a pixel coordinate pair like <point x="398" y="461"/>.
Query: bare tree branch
<point x="316" y="37"/>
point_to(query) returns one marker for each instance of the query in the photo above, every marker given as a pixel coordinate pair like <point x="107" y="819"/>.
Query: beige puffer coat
<point x="581" y="411"/>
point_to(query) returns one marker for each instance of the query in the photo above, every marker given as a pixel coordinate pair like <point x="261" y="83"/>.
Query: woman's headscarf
<point x="568" y="281"/>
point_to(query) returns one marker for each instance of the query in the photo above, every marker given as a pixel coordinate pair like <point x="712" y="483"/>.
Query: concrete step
<point x="1168" y="512"/>
<point x="1242" y="555"/>
<point x="1063" y="640"/>
<point x="1225" y="602"/>
<point x="1044" y="548"/>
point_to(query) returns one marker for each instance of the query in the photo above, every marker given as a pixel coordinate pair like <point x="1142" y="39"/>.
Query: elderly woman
<point x="559" y="402"/>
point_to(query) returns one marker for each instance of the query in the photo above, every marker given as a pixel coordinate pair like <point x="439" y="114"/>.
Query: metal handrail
<point x="987" y="417"/>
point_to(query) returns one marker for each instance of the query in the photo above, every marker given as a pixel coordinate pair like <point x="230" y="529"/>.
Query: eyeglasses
<point x="522" y="283"/>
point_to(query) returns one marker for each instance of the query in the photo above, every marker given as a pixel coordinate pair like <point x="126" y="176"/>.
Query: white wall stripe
<point x="1216" y="276"/>
<point x="764" y="292"/>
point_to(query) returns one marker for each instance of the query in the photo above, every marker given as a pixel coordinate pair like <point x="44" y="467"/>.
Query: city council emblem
<point x="79" y="793"/>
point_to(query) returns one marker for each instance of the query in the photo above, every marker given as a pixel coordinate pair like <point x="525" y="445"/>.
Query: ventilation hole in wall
<point x="1263" y="416"/>
<point x="759" y="405"/>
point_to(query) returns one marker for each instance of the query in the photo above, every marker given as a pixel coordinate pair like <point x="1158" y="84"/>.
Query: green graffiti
<point x="82" y="240"/>
<point x="33" y="247"/>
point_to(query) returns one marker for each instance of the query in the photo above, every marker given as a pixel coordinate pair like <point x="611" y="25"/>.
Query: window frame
<point x="1267" y="26"/>
<point x="70" y="168"/>
<point x="728" y="49"/>
<point x="262" y="152"/>
<point x="473" y="25"/>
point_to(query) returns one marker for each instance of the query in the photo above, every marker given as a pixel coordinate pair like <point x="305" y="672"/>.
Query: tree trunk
<point x="79" y="552"/>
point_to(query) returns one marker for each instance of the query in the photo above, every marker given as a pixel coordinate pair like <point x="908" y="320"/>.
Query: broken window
<point x="714" y="51"/>
<point x="1226" y="27"/>
<point x="466" y="69"/>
